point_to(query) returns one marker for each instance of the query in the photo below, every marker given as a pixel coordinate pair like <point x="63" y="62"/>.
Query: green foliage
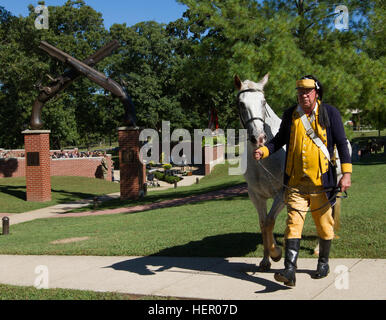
<point x="76" y="29"/>
<point x="167" y="166"/>
<point x="171" y="179"/>
<point x="159" y="175"/>
<point x="166" y="177"/>
<point x="287" y="39"/>
<point x="180" y="71"/>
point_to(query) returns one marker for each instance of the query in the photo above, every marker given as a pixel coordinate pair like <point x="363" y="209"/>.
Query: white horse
<point x="264" y="177"/>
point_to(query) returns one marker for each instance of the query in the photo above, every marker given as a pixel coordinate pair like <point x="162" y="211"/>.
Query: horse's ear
<point x="264" y="81"/>
<point x="237" y="82"/>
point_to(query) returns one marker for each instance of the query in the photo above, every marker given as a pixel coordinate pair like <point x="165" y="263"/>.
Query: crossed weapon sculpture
<point x="80" y="68"/>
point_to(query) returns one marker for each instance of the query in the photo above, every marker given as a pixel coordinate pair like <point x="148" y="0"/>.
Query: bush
<point x="167" y="178"/>
<point x="159" y="175"/>
<point x="171" y="179"/>
<point x="167" y="166"/>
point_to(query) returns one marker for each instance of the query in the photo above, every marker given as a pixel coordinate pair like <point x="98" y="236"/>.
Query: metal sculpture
<point x="78" y="68"/>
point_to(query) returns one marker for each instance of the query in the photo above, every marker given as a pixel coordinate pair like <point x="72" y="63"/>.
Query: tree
<point x="374" y="79"/>
<point x="181" y="71"/>
<point x="235" y="37"/>
<point x="76" y="29"/>
<point x="288" y="39"/>
<point x="147" y="62"/>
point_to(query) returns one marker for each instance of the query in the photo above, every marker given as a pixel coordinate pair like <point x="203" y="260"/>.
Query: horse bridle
<point x="245" y="123"/>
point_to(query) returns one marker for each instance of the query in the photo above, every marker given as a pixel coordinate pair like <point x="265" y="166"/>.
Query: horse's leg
<point x="261" y="207"/>
<point x="278" y="204"/>
<point x="316" y="250"/>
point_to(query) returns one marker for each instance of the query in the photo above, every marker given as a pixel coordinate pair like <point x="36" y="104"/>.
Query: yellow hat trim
<point x="305" y="83"/>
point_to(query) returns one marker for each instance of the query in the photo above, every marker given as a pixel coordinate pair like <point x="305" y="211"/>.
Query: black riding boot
<point x="323" y="268"/>
<point x="287" y="275"/>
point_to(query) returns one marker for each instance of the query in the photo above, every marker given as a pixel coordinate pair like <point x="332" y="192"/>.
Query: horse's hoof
<point x="277" y="256"/>
<point x="264" y="267"/>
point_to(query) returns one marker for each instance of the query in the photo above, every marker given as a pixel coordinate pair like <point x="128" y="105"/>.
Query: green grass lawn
<point x="63" y="189"/>
<point x="227" y="227"/>
<point x="9" y="292"/>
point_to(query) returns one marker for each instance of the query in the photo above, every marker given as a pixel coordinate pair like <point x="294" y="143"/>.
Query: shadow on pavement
<point x="228" y="245"/>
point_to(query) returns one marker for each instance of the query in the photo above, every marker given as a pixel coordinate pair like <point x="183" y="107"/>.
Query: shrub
<point x="171" y="179"/>
<point x="159" y="175"/>
<point x="167" y="166"/>
<point x="167" y="178"/>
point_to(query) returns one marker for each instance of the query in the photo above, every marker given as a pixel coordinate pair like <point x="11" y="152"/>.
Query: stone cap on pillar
<point x="35" y="131"/>
<point x="128" y="128"/>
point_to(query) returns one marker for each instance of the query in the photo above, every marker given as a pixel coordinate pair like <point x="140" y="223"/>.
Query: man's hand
<point x="345" y="182"/>
<point x="258" y="154"/>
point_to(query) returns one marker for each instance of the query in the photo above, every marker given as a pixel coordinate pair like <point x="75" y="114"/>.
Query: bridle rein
<point x="246" y="122"/>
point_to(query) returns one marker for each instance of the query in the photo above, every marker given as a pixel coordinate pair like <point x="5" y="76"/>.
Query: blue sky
<point x="114" y="11"/>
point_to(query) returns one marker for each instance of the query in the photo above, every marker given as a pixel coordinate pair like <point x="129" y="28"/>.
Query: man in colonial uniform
<point x="310" y="131"/>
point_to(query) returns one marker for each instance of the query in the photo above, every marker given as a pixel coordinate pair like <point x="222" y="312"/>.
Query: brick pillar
<point x="38" y="165"/>
<point x="208" y="158"/>
<point x="132" y="173"/>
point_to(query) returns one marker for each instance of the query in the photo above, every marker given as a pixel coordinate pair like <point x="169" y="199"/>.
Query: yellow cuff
<point x="346" y="168"/>
<point x="265" y="151"/>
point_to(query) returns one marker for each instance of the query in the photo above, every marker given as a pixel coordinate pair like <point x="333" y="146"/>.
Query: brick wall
<point x="78" y="167"/>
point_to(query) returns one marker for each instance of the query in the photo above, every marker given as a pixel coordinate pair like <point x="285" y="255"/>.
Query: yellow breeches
<point x="312" y="197"/>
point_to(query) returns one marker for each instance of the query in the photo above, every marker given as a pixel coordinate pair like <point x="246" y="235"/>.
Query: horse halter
<point x="245" y="123"/>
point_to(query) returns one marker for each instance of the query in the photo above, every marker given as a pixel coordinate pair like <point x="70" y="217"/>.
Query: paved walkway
<point x="203" y="278"/>
<point x="61" y="210"/>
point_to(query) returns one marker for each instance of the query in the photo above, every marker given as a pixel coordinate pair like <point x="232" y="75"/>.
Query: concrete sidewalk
<point x="203" y="278"/>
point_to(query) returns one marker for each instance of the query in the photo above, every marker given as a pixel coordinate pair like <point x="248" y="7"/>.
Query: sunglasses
<point x="306" y="91"/>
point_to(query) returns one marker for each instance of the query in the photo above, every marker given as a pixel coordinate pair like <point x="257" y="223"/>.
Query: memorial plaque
<point x="128" y="156"/>
<point x="33" y="159"/>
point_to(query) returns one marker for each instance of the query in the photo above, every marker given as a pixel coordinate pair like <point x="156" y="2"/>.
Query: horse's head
<point x="252" y="108"/>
